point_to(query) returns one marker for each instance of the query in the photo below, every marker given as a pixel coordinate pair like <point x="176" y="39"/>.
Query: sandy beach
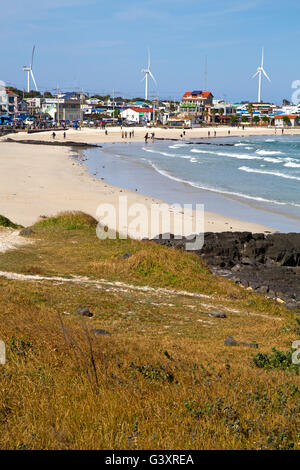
<point x="37" y="180"/>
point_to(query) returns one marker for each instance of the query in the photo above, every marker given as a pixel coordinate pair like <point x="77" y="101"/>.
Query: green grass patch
<point x="5" y="222"/>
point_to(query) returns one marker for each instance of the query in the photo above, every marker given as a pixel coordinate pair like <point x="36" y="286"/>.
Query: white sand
<point x="43" y="180"/>
<point x="10" y="239"/>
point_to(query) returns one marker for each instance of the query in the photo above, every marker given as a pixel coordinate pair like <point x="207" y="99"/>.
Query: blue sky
<point x="99" y="45"/>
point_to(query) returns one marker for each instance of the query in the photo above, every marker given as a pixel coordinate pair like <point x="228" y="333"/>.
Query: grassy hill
<point x="162" y="378"/>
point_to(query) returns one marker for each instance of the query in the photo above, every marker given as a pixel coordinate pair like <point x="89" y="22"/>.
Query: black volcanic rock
<point x="269" y="263"/>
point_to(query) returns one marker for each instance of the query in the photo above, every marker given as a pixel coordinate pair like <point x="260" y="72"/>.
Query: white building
<point x="137" y="115"/>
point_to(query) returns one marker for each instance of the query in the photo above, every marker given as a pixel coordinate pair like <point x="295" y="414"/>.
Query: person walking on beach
<point x="215" y="133"/>
<point x="208" y="133"/>
<point x="228" y="132"/>
<point x="106" y="133"/>
<point x="153" y="136"/>
<point x="65" y="135"/>
<point x="132" y="133"/>
<point x="53" y="135"/>
<point x="123" y="135"/>
<point x="146" y="138"/>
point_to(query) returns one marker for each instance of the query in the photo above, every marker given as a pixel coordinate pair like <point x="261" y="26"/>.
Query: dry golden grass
<point x="163" y="378"/>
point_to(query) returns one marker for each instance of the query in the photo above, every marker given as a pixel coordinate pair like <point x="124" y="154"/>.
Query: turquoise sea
<point x="255" y="179"/>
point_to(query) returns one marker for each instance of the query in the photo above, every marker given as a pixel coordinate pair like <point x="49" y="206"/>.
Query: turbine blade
<point x="263" y="71"/>
<point x="33" y="79"/>
<point x="149" y="59"/>
<point x="255" y="74"/>
<point x="262" y="58"/>
<point x="151" y="75"/>
<point x="32" y="56"/>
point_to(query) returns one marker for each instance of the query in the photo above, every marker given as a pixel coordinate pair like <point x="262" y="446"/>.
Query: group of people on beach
<point x="147" y="137"/>
<point x="126" y="134"/>
<point x="54" y="135"/>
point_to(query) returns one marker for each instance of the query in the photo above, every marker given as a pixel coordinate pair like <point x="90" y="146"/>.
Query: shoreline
<point x="45" y="184"/>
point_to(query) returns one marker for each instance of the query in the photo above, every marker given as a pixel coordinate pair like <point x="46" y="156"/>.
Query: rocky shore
<point x="266" y="263"/>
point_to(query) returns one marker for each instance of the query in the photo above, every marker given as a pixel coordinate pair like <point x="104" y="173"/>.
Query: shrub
<point x="76" y="220"/>
<point x="275" y="360"/>
<point x="5" y="222"/>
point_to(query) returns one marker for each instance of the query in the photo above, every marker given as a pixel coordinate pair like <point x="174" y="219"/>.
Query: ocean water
<point x="252" y="178"/>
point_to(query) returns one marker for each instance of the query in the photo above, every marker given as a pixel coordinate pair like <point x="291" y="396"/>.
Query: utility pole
<point x="114" y="91"/>
<point x="57" y="106"/>
<point x="113" y="107"/>
<point x="81" y="110"/>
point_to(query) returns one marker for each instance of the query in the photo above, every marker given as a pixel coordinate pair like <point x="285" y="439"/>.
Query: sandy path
<point x="10" y="239"/>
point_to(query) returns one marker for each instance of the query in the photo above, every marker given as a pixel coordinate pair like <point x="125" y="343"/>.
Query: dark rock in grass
<point x="26" y="232"/>
<point x="126" y="255"/>
<point x="84" y="311"/>
<point x="230" y="341"/>
<point x="291" y="306"/>
<point x="250" y="345"/>
<point x="217" y="315"/>
<point x="100" y="332"/>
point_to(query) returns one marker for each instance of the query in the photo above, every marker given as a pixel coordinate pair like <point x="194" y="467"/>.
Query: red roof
<point x="290" y="116"/>
<point x="142" y="110"/>
<point x="203" y="94"/>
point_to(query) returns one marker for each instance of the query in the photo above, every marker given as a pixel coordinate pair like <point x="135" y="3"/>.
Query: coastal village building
<point x="286" y="119"/>
<point x="8" y="103"/>
<point x="68" y="109"/>
<point x="137" y="115"/>
<point x="197" y="104"/>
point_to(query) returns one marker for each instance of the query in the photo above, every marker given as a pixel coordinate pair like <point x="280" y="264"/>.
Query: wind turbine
<point x="260" y="71"/>
<point x="28" y="69"/>
<point x="148" y="74"/>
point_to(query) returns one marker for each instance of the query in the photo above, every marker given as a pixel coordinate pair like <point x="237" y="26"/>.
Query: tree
<point x="265" y="119"/>
<point x="213" y="112"/>
<point x="256" y="119"/>
<point x="234" y="119"/>
<point x="245" y="119"/>
<point x="286" y="121"/>
<point x="250" y="111"/>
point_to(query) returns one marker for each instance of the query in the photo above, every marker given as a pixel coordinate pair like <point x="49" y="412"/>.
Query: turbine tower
<point x="28" y="69"/>
<point x="148" y="74"/>
<point x="260" y="72"/>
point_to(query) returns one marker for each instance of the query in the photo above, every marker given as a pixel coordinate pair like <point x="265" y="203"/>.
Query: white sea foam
<point x="221" y="191"/>
<point x="176" y="146"/>
<point x="230" y="155"/>
<point x="166" y="154"/>
<point x="273" y="160"/>
<point x="267" y="172"/>
<point x="291" y="164"/>
<point x="268" y="152"/>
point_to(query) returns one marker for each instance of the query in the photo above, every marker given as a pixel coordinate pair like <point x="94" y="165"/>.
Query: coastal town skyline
<point x="92" y="52"/>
